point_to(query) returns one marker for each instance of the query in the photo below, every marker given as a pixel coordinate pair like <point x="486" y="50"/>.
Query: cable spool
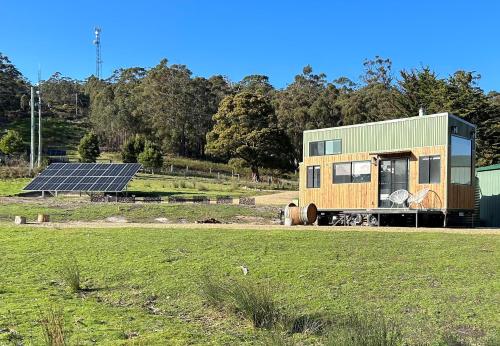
<point x="299" y="216"/>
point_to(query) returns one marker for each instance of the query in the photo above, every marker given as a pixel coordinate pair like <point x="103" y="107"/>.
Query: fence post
<point x="171" y="168"/>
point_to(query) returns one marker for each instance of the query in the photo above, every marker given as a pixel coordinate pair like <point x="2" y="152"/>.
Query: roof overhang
<point x="400" y="152"/>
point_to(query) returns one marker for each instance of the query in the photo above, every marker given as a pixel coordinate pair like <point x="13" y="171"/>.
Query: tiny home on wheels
<point x="410" y="171"/>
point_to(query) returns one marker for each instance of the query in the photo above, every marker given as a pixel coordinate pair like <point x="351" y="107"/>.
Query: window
<point x="461" y="160"/>
<point x="329" y="147"/>
<point x="352" y="172"/>
<point x="317" y="148"/>
<point x="313" y="176"/>
<point x="333" y="147"/>
<point x="341" y="173"/>
<point x="361" y="171"/>
<point x="429" y="169"/>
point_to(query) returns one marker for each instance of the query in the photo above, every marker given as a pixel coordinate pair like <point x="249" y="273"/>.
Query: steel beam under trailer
<point x="377" y="212"/>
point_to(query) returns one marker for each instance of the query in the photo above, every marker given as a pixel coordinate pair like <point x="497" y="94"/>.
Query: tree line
<point x="250" y="122"/>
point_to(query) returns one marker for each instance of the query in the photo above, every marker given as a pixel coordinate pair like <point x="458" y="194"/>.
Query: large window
<point x="352" y="172"/>
<point x="461" y="160"/>
<point x="429" y="169"/>
<point x="329" y="147"/>
<point x="313" y="176"/>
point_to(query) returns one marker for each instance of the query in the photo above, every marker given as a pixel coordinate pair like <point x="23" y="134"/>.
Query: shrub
<point x="89" y="148"/>
<point x="256" y="303"/>
<point x="234" y="186"/>
<point x="182" y="184"/>
<point x="252" y="300"/>
<point x="202" y="187"/>
<point x="11" y="143"/>
<point x="132" y="148"/>
<point x="53" y="327"/>
<point x="175" y="185"/>
<point x="151" y="156"/>
<point x="70" y="274"/>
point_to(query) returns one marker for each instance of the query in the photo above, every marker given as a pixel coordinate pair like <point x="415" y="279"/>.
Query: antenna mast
<point x="98" y="61"/>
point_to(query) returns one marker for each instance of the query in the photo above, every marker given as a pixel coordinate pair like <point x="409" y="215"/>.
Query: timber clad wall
<point x="417" y="137"/>
<point x="365" y="195"/>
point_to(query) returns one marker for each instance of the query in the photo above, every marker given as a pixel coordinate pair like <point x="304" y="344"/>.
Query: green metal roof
<point x="488" y="168"/>
<point x="391" y="135"/>
<point x="386" y="135"/>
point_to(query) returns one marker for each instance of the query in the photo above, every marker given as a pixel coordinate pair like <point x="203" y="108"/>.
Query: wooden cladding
<point x="365" y="195"/>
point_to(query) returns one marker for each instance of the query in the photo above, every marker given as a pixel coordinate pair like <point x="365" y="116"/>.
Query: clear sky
<point x="237" y="38"/>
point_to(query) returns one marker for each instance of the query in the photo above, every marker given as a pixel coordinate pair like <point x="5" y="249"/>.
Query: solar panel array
<point x="96" y="177"/>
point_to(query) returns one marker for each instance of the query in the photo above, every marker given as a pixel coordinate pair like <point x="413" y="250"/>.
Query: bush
<point x="70" y="274"/>
<point x="234" y="186"/>
<point x="182" y="184"/>
<point x="53" y="327"/>
<point x="252" y="300"/>
<point x="256" y="303"/>
<point x="132" y="148"/>
<point x="202" y="187"/>
<point x="89" y="148"/>
<point x="151" y="156"/>
<point x="11" y="143"/>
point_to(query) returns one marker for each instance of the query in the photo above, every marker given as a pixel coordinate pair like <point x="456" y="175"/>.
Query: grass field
<point x="166" y="185"/>
<point x="141" y="286"/>
<point x="12" y="187"/>
<point x="65" y="210"/>
<point x="57" y="133"/>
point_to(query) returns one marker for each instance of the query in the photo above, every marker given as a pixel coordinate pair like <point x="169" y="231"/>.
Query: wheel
<point x="356" y="220"/>
<point x="373" y="220"/>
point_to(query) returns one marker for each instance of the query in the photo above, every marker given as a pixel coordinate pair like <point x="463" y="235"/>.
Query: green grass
<point x="65" y="210"/>
<point x="57" y="133"/>
<point x="143" y="285"/>
<point x="12" y="187"/>
<point x="166" y="185"/>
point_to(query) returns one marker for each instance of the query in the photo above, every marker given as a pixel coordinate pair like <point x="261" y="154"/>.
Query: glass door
<point x="393" y="175"/>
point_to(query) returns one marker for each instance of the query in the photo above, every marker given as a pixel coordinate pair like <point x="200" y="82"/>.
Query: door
<point x="393" y="175"/>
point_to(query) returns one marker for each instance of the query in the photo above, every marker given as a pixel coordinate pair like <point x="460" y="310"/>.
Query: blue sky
<point x="237" y="38"/>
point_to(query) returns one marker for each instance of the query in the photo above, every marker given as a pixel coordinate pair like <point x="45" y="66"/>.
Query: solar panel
<point x="96" y="177"/>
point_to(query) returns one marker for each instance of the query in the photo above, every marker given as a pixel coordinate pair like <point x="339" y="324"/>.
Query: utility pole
<point x="76" y="105"/>
<point x="39" y="127"/>
<point x="32" y="151"/>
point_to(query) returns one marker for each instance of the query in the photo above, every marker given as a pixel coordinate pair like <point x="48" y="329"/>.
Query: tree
<point x="12" y="86"/>
<point x="151" y="156"/>
<point x="132" y="148"/>
<point x="89" y="148"/>
<point x="245" y="128"/>
<point x="179" y="107"/>
<point x="258" y="84"/>
<point x="12" y="143"/>
<point x="308" y="103"/>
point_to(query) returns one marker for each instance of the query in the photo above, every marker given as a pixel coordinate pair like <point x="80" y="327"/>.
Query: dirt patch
<point x="116" y="219"/>
<point x="243" y="219"/>
<point x="252" y="226"/>
<point x="280" y="198"/>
